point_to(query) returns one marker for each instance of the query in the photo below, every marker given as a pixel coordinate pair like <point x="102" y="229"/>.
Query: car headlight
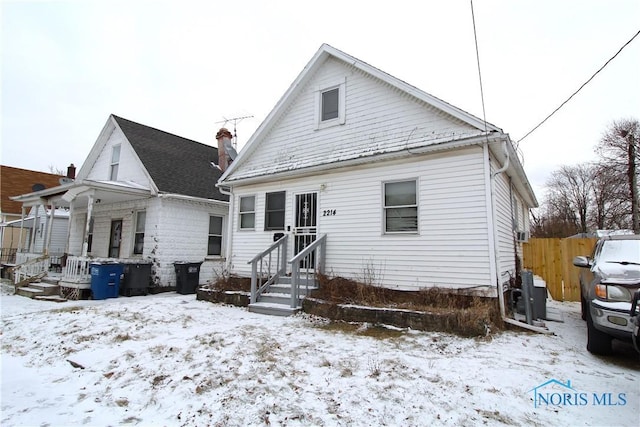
<point x="613" y="293"/>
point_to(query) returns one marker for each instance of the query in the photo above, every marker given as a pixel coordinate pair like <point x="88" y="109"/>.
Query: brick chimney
<point x="71" y="171"/>
<point x="223" y="157"/>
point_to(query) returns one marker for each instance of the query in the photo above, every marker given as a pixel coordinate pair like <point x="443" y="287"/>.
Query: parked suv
<point x="608" y="282"/>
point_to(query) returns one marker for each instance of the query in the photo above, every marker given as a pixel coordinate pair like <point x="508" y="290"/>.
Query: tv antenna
<point x="235" y="121"/>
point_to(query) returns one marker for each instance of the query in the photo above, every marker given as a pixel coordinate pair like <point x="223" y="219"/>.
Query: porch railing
<point x="77" y="269"/>
<point x="22" y="257"/>
<point x="8" y="255"/>
<point x="305" y="267"/>
<point x="267" y="267"/>
<point x="32" y="268"/>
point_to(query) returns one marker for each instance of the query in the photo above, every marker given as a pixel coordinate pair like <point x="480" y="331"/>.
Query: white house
<point x="410" y="191"/>
<point x="142" y="195"/>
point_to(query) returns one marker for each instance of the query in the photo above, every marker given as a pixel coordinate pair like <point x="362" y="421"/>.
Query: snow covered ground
<point x="169" y="360"/>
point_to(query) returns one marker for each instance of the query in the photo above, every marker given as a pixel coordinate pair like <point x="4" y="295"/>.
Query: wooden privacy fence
<point x="552" y="259"/>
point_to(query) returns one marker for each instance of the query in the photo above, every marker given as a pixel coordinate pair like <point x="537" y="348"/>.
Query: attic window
<point x="330" y="104"/>
<point x="115" y="162"/>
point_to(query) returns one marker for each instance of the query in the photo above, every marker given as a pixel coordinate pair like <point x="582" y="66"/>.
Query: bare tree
<point x="570" y="193"/>
<point x="618" y="149"/>
<point x="610" y="199"/>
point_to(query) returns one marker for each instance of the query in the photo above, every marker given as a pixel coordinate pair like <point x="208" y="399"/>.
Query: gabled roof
<point x="308" y="73"/>
<point x="176" y="165"/>
<point x="16" y="181"/>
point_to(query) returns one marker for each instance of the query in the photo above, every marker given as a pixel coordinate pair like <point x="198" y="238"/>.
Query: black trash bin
<point x="187" y="277"/>
<point x="136" y="279"/>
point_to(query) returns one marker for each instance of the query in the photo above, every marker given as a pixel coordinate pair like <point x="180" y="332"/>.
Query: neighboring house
<point x="16" y="181"/>
<point x="410" y="191"/>
<point x="143" y="195"/>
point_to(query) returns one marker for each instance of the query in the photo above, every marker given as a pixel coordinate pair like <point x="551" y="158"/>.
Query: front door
<point x="305" y="229"/>
<point x="116" y="238"/>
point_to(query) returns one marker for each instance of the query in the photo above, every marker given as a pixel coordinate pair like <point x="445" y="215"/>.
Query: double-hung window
<point x="90" y="236"/>
<point x="247" y="212"/>
<point x="330" y="103"/>
<point x="274" y="211"/>
<point x="400" y="207"/>
<point x="115" y="162"/>
<point x="214" y="246"/>
<point x="138" y="244"/>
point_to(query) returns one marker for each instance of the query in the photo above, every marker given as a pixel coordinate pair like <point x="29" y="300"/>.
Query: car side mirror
<point x="581" y="261"/>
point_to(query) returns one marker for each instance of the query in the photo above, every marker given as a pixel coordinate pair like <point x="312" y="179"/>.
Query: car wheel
<point x="597" y="342"/>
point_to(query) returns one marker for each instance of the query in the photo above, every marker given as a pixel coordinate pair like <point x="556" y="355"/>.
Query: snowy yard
<point x="171" y="360"/>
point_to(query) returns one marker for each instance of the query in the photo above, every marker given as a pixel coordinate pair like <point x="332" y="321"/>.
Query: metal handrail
<point x="313" y="257"/>
<point x="258" y="283"/>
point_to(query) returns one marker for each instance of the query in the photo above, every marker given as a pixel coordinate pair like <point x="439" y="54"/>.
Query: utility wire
<point x="475" y="36"/>
<point x="580" y="88"/>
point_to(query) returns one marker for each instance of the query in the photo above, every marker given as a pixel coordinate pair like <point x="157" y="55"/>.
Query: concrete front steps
<point x="277" y="302"/>
<point x="46" y="290"/>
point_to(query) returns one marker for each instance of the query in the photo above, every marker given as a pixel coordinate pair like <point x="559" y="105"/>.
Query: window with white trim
<point x="400" y="207"/>
<point x="274" y="211"/>
<point x="138" y="243"/>
<point x="90" y="235"/>
<point x="330" y="104"/>
<point x="115" y="162"/>
<point x="247" y="212"/>
<point x="214" y="245"/>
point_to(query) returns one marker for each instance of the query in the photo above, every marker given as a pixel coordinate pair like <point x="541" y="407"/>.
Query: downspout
<point x="229" y="236"/>
<point x="493" y="237"/>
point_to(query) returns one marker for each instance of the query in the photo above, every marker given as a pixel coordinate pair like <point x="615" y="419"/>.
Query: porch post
<point x="85" y="243"/>
<point x="21" y="228"/>
<point x="50" y="221"/>
<point x="32" y="244"/>
<point x="66" y="245"/>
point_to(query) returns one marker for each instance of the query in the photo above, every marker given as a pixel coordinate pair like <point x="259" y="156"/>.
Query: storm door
<point x="305" y="229"/>
<point x="116" y="238"/>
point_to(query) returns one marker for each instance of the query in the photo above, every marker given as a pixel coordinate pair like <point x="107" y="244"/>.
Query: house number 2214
<point x="328" y="212"/>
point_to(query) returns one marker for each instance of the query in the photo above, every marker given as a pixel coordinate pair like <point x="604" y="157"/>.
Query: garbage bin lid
<point x="539" y="284"/>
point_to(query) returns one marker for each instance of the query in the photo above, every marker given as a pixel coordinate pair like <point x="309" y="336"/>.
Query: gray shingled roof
<point x="177" y="165"/>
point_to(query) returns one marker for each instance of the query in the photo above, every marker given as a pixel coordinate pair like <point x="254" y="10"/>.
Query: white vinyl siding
<point x="129" y="166"/>
<point x="380" y="119"/>
<point x="451" y="250"/>
<point x="504" y="226"/>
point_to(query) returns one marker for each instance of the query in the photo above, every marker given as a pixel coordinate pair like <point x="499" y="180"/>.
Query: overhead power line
<point x="580" y="88"/>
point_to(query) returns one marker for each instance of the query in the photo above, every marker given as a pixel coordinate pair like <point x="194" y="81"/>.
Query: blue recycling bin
<point x="105" y="279"/>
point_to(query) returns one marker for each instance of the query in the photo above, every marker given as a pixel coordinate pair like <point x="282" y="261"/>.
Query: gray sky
<point x="183" y="66"/>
